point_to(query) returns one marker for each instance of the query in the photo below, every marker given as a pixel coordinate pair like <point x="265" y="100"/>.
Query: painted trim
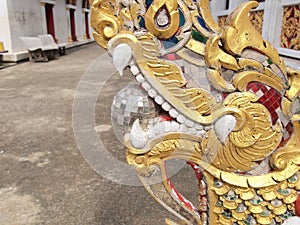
<point x="290" y="2"/>
<point x="70" y="6"/>
<point x="48" y="2"/>
<point x="289" y="52"/>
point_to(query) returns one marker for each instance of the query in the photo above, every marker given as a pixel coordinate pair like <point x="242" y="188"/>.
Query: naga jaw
<point x="141" y="139"/>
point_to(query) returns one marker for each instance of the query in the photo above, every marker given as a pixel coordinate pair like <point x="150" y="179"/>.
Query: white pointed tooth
<point x="201" y="133"/>
<point x="158" y="129"/>
<point x="140" y="78"/>
<point x="138" y="136"/>
<point x="146" y="85"/>
<point x="224" y="126"/>
<point x="192" y="130"/>
<point x="189" y="123"/>
<point x="121" y="57"/>
<point x="174" y="126"/>
<point x="173" y="113"/>
<point x="198" y="126"/>
<point x="166" y="106"/>
<point x="166" y="126"/>
<point x="152" y="93"/>
<point x="183" y="128"/>
<point x="159" y="100"/>
<point x="134" y="70"/>
<point x="181" y="118"/>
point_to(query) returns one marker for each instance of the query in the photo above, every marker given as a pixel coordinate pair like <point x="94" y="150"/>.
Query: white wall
<point x="61" y="23"/>
<point x="24" y="20"/>
<point x="4" y="26"/>
<point x="79" y="19"/>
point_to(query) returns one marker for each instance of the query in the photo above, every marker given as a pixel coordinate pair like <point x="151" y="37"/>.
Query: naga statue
<point x="219" y="98"/>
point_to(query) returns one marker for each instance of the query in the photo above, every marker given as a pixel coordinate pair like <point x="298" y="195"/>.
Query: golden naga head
<point x="219" y="98"/>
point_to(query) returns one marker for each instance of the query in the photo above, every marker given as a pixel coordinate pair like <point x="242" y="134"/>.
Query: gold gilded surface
<point x="169" y="81"/>
<point x="151" y="17"/>
<point x="242" y="79"/>
<point x="242" y="150"/>
<point x="294" y="89"/>
<point x="217" y="58"/>
<point x="249" y="174"/>
<point x="239" y="34"/>
<point x="105" y="24"/>
<point x="207" y="16"/>
<point x="196" y="47"/>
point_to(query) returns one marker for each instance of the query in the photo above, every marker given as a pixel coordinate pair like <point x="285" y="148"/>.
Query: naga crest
<point x="219" y="98"/>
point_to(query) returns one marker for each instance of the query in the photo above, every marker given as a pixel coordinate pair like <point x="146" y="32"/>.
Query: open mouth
<point x="147" y="116"/>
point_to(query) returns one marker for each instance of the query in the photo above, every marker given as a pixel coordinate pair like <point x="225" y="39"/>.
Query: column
<point x="44" y="19"/>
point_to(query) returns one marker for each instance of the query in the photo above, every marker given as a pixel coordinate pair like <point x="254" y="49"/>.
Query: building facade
<point x="65" y="20"/>
<point x="277" y="20"/>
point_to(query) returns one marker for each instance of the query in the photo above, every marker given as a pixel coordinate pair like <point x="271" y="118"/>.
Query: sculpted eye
<point x="162" y="18"/>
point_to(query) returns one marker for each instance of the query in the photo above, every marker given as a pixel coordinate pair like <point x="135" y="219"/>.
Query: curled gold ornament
<point x="207" y="16"/>
<point x="217" y="58"/>
<point x="239" y="34"/>
<point x="289" y="154"/>
<point x="242" y="79"/>
<point x="104" y="22"/>
<point x="294" y="79"/>
<point x="252" y="142"/>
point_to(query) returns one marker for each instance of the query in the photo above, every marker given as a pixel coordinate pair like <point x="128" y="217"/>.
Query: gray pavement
<point x="43" y="177"/>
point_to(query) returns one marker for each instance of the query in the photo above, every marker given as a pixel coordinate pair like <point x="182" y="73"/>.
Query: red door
<point x="72" y="21"/>
<point x="87" y="30"/>
<point x="50" y="20"/>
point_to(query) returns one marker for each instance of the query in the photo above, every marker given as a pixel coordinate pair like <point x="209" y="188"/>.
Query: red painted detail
<point x="297" y="206"/>
<point x="225" y="94"/>
<point x="271" y="99"/>
<point x="72" y="23"/>
<point x="87" y="30"/>
<point x="172" y="57"/>
<point x="165" y="117"/>
<point x="197" y="170"/>
<point x="50" y="20"/>
<point x="182" y="199"/>
<point x="268" y="96"/>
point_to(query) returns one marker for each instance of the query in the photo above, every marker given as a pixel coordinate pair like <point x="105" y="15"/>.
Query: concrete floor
<point x="43" y="177"/>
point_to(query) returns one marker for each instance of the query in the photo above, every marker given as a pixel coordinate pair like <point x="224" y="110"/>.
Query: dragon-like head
<point x="220" y="98"/>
